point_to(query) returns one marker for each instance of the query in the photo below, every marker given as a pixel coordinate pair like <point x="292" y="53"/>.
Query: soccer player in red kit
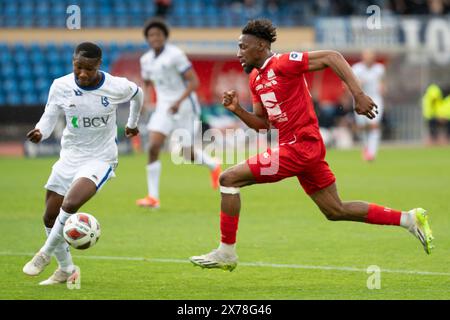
<point x="281" y="100"/>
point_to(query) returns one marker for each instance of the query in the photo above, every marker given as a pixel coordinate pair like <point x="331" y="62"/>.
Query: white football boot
<point x="60" y="276"/>
<point x="216" y="259"/>
<point x="36" y="265"/>
<point x="421" y="228"/>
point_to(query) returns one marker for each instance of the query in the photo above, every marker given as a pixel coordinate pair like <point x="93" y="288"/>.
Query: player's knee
<point x="227" y="178"/>
<point x="49" y="221"/>
<point x="154" y="152"/>
<point x="70" y="205"/>
<point x="333" y="213"/>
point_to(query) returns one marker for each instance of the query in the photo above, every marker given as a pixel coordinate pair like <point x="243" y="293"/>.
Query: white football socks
<point x="373" y="140"/>
<point x="56" y="235"/>
<point x="407" y="220"/>
<point x="153" y="174"/>
<point x="203" y="159"/>
<point x="229" y="249"/>
<point x="62" y="254"/>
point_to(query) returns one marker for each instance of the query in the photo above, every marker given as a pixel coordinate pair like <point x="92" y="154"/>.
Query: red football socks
<point x="228" y="228"/>
<point x="382" y="215"/>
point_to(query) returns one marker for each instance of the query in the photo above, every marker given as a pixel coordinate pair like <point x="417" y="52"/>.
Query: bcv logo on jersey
<point x="86" y="122"/>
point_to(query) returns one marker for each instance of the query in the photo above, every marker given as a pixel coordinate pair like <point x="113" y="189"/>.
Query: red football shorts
<point x="304" y="159"/>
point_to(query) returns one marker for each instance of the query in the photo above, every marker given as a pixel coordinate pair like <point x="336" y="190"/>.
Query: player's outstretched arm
<point x="322" y="59"/>
<point x="192" y="83"/>
<point x="256" y="120"/>
<point x="136" y="104"/>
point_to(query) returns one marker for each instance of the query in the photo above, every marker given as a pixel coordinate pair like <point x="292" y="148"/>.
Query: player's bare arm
<point x="192" y="83"/>
<point x="319" y="60"/>
<point x="256" y="120"/>
<point x="34" y="135"/>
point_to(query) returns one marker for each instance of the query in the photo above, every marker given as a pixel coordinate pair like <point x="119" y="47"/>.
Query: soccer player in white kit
<point x="371" y="74"/>
<point x="88" y="98"/>
<point x="169" y="71"/>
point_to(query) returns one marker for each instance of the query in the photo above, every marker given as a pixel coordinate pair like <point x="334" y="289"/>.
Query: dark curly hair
<point x="156" y="23"/>
<point x="261" y="28"/>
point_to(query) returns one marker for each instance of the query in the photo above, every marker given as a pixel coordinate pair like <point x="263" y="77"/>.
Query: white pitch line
<point x="247" y="264"/>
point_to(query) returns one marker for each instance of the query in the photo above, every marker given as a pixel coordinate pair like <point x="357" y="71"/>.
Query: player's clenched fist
<point x="131" y="132"/>
<point x="34" y="135"/>
<point x="364" y="105"/>
<point x="230" y="100"/>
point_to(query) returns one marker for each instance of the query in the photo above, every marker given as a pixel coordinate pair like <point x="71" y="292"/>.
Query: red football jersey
<point x="280" y="86"/>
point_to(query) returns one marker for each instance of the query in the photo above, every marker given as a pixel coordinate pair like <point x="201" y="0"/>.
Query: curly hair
<point x="261" y="28"/>
<point x="156" y="23"/>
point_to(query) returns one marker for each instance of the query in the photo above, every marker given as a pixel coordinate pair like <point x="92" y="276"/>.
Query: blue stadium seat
<point x="11" y="9"/>
<point x="9" y="85"/>
<point x="21" y="57"/>
<point x="40" y="71"/>
<point x="24" y="71"/>
<point x="37" y="57"/>
<point x="13" y="99"/>
<point x="56" y="71"/>
<point x="26" y="85"/>
<point x="53" y="57"/>
<point x="42" y="21"/>
<point x="7" y="71"/>
<point x="30" y="98"/>
<point x="42" y="84"/>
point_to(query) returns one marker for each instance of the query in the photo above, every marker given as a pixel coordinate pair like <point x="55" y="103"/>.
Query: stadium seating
<point x="133" y="13"/>
<point x="27" y="71"/>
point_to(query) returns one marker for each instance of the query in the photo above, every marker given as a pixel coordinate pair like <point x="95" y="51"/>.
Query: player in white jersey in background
<point x="371" y="74"/>
<point x="88" y="98"/>
<point x="169" y="71"/>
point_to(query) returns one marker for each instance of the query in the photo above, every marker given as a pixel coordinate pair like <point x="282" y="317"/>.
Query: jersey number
<point x="271" y="103"/>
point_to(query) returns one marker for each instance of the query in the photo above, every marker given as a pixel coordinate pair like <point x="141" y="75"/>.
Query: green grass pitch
<point x="287" y="249"/>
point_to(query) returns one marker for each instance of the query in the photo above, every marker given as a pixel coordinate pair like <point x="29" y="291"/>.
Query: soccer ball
<point x="81" y="230"/>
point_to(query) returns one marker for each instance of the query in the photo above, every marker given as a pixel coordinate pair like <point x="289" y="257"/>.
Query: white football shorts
<point x="185" y="121"/>
<point x="64" y="174"/>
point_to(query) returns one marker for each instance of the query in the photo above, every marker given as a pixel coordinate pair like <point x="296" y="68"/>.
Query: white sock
<point x="153" y="174"/>
<point x="227" y="248"/>
<point x="373" y="140"/>
<point x="363" y="137"/>
<point x="203" y="159"/>
<point x="56" y="235"/>
<point x="62" y="254"/>
<point x="407" y="220"/>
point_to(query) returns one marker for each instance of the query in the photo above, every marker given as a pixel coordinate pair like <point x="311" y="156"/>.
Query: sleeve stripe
<point x="185" y="70"/>
<point x="137" y="89"/>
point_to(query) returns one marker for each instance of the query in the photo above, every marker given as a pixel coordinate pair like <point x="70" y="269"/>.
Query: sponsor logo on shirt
<point x="77" y="92"/>
<point x="296" y="56"/>
<point x="271" y="74"/>
<point x="86" y="122"/>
